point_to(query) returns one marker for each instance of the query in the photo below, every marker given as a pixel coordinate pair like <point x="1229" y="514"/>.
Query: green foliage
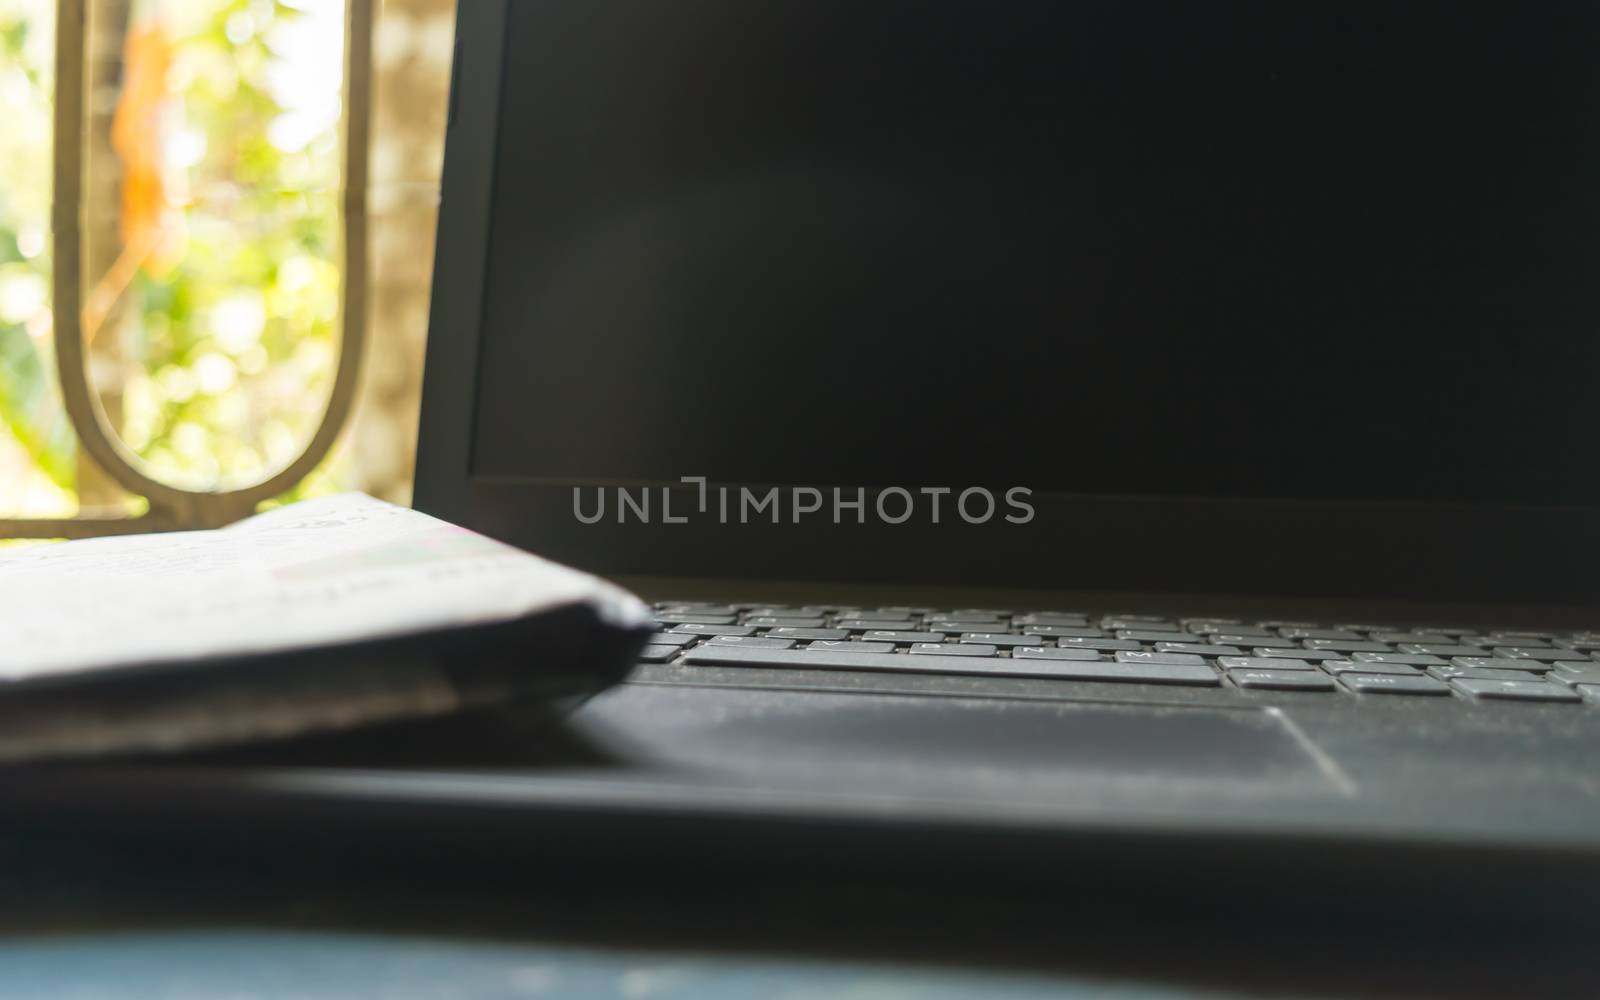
<point x="236" y="343"/>
<point x="29" y="407"/>
<point x="29" y="410"/>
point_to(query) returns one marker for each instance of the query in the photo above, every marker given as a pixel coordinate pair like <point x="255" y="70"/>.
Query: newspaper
<point x="321" y="573"/>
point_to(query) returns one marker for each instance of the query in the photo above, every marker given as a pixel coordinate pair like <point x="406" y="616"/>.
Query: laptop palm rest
<point x="960" y="748"/>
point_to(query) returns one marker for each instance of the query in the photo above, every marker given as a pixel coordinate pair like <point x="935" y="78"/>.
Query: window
<point x="218" y="270"/>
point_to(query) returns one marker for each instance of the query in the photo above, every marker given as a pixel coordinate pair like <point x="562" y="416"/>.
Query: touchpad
<point x="944" y="746"/>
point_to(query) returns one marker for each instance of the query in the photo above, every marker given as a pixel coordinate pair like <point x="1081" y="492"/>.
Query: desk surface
<point x="98" y="916"/>
<point x="246" y="963"/>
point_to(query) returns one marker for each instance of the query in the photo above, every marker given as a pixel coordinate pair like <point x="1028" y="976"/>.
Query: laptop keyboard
<point x="1432" y="661"/>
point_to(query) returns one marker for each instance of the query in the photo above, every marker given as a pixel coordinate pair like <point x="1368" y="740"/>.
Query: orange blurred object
<point x="151" y="223"/>
<point x="138" y="133"/>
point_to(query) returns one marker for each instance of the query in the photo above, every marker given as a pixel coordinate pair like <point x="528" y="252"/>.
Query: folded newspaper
<point x="322" y="615"/>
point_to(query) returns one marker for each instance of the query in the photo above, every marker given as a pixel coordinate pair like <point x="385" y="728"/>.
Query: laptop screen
<point x="1246" y="249"/>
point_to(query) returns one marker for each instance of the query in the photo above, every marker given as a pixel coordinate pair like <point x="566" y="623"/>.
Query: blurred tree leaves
<point x="233" y="310"/>
<point x="29" y="410"/>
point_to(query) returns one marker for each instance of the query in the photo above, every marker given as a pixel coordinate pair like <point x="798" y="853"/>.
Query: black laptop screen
<point x="1239" y="249"/>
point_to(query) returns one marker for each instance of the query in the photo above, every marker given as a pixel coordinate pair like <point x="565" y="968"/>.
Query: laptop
<point x="1147" y="439"/>
<point x="1165" y="418"/>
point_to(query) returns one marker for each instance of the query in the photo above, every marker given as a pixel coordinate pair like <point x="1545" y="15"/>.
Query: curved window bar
<point x="171" y="507"/>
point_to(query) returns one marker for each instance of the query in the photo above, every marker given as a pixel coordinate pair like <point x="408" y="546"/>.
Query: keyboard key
<point x="1140" y="635"/>
<point x="954" y="625"/>
<point x="891" y="635"/>
<point x="1432" y="638"/>
<point x="1198" y="648"/>
<point x="810" y="633"/>
<point x="973" y="614"/>
<point x="1313" y="655"/>
<point x="1352" y="667"/>
<point x="954" y="649"/>
<point x="1282" y="680"/>
<point x="1531" y="653"/>
<point x="693" y="617"/>
<point x="658" y="653"/>
<point x="1082" y="633"/>
<point x="844" y="658"/>
<point x="1241" y="638"/>
<point x="1200" y="626"/>
<point x="697" y="629"/>
<point x="1408" y="659"/>
<point x="1151" y="623"/>
<point x="673" y="639"/>
<point x="1435" y="649"/>
<point x="1528" y="642"/>
<point x="1451" y="630"/>
<point x="1230" y="633"/>
<point x="1349" y="645"/>
<point x="1577" y="672"/>
<point x="876" y="624"/>
<point x="1107" y="670"/>
<point x="836" y="645"/>
<point x="1104" y="645"/>
<point x="1050" y="668"/>
<point x="1393" y="684"/>
<point x="772" y="621"/>
<point x="760" y="641"/>
<point x="1589" y="692"/>
<point x="1261" y="663"/>
<point x="1450" y="671"/>
<point x="1319" y="633"/>
<point x="1515" y="690"/>
<point x="1500" y="663"/>
<point x="1166" y="659"/>
<point x="693" y="607"/>
<point x="1002" y="639"/>
<point x="1057" y="653"/>
<point x="1052" y="618"/>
